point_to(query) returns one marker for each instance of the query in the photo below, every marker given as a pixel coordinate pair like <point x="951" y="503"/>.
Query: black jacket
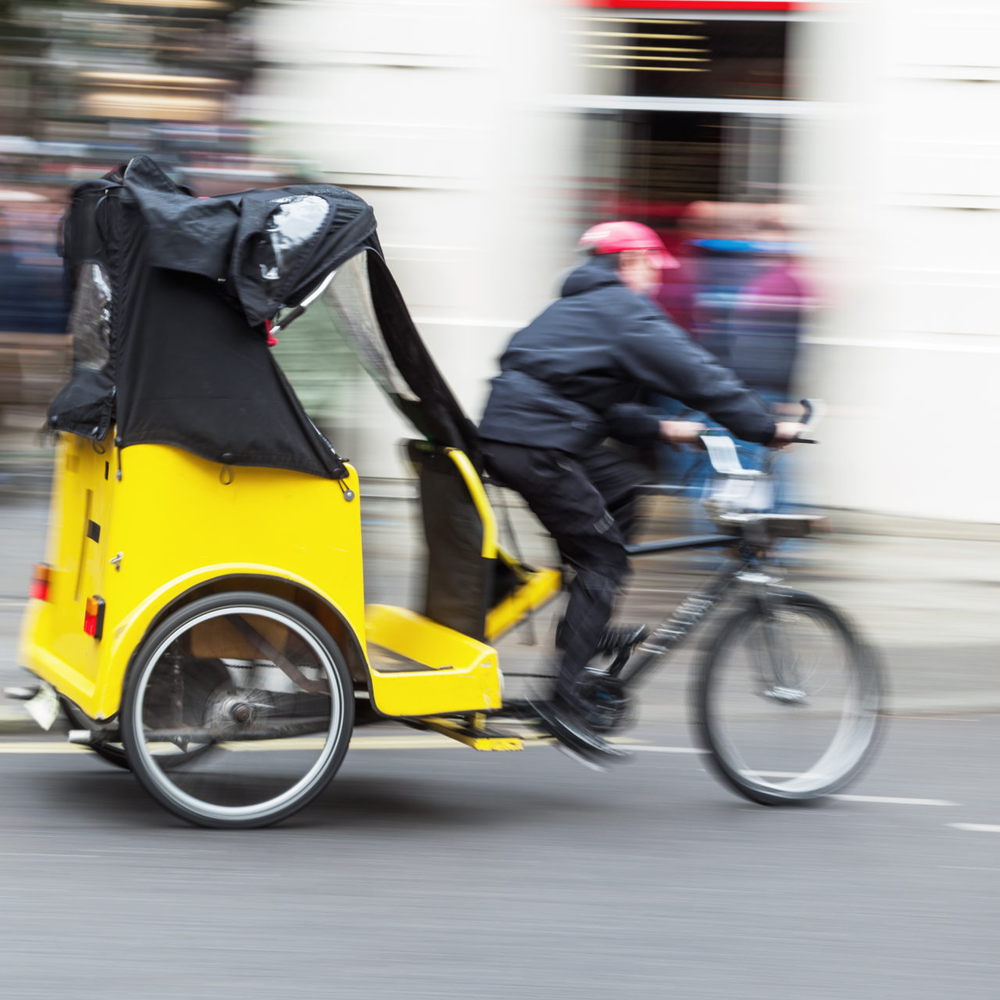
<point x="576" y="374"/>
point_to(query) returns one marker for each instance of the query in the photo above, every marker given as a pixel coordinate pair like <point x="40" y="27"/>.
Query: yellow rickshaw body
<point x="174" y="526"/>
<point x="171" y="524"/>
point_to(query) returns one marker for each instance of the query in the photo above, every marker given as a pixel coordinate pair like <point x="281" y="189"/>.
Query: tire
<point x="286" y="688"/>
<point x="780" y="728"/>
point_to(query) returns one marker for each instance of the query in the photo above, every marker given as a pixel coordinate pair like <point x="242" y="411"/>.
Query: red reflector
<point x="39" y="588"/>
<point x="93" y="619"/>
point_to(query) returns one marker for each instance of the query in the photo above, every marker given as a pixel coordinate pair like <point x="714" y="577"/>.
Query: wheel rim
<point x="267" y="657"/>
<point x="800" y="728"/>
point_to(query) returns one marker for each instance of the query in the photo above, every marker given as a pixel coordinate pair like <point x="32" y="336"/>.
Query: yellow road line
<point x="313" y="743"/>
<point x="430" y="742"/>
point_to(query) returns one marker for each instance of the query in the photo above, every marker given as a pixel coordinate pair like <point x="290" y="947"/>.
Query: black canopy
<point x="170" y="297"/>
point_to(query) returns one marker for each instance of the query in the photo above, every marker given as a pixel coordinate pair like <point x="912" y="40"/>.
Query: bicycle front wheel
<point x="788" y="700"/>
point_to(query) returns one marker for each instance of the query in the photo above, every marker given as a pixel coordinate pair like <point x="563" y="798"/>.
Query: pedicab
<point x="200" y="617"/>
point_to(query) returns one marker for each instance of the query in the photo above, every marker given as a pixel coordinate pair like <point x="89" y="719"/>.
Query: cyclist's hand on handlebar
<point x="676" y="432"/>
<point x="785" y="434"/>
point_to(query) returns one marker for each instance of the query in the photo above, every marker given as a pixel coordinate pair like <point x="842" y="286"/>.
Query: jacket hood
<point x="596" y="273"/>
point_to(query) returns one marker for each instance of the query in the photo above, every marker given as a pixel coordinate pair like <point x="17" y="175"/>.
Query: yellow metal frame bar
<point x="470" y="737"/>
<point x="479" y="498"/>
<point x="538" y="586"/>
<point x="541" y="587"/>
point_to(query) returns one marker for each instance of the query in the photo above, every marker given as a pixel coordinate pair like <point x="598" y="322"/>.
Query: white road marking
<point x="935" y="718"/>
<point x="775" y="774"/>
<point x="33" y="854"/>
<point x="969" y="868"/>
<point x="976" y="827"/>
<point x="438" y="742"/>
<point x="885" y="799"/>
<point x="890" y="800"/>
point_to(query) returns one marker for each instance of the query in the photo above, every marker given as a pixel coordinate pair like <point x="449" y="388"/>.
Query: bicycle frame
<point x="745" y="568"/>
<point x="696" y="607"/>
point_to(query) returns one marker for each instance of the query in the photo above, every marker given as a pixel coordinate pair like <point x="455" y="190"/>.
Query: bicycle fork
<point x="775" y="663"/>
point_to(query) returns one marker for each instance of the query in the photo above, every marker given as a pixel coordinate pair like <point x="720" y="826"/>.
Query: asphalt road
<point x="430" y="872"/>
<point x="442" y="872"/>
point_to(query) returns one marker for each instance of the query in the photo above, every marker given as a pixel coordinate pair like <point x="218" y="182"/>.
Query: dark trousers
<point x="587" y="504"/>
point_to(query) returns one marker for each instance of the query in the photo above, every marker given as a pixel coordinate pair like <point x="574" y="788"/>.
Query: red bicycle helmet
<point x="615" y="237"/>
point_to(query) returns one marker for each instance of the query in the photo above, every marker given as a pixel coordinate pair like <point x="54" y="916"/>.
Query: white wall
<point x="905" y="173"/>
<point x="432" y="112"/>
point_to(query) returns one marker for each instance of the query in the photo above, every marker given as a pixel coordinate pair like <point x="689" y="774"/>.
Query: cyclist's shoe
<point x="576" y="738"/>
<point x="616" y="638"/>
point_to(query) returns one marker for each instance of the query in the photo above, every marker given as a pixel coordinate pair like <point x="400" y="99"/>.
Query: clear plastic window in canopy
<point x="348" y="297"/>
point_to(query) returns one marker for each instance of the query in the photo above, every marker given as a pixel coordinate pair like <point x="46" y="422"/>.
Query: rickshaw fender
<point x="128" y="636"/>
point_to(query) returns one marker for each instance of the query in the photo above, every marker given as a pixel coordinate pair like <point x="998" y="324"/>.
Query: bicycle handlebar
<point x="722" y="449"/>
<point x="814" y="410"/>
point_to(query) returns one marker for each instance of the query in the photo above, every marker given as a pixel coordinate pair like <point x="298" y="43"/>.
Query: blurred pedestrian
<point x="748" y="300"/>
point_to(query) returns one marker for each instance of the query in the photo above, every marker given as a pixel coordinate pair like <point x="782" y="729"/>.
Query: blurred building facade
<point x="84" y="84"/>
<point x="439" y="114"/>
<point x="487" y="134"/>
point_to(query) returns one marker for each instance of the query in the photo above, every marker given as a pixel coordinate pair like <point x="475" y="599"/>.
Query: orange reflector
<point x="93" y="620"/>
<point x="39" y="588"/>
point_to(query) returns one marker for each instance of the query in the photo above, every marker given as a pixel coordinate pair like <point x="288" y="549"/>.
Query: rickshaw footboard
<point x="472" y="734"/>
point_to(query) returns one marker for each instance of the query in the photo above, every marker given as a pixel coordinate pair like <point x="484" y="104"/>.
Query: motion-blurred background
<point x="827" y="174"/>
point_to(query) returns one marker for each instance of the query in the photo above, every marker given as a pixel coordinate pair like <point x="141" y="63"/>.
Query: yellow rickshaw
<point x="200" y="616"/>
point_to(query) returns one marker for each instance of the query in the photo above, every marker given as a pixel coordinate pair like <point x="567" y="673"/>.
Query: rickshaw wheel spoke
<point x="206" y="705"/>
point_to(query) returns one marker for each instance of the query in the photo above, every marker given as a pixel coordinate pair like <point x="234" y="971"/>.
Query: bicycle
<point x="835" y="712"/>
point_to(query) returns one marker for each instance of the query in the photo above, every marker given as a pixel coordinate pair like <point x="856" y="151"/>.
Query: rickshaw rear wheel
<point x="279" y="683"/>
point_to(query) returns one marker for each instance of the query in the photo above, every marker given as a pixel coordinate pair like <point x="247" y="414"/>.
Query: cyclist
<point x="571" y="379"/>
